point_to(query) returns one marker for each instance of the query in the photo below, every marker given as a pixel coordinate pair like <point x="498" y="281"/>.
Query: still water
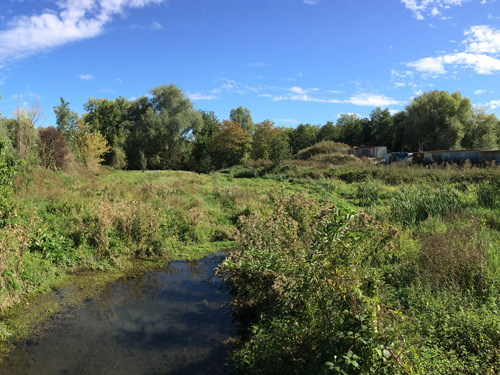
<point x="172" y="321"/>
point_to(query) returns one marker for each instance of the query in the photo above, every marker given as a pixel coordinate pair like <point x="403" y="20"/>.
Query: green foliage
<point x="368" y="193"/>
<point x="6" y="176"/>
<point x="242" y="116"/>
<point x="66" y="120"/>
<point x="229" y="146"/>
<point x="313" y="298"/>
<point x="436" y="120"/>
<point x="302" y="136"/>
<point x="414" y="204"/>
<point x="280" y="148"/>
<point x="161" y="127"/>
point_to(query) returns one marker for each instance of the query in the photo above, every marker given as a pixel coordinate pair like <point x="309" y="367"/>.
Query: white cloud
<point x="479" y="92"/>
<point x="86" y="77"/>
<point x="73" y="20"/>
<point x="372" y="100"/>
<point x="289" y="120"/>
<point x="199" y="96"/>
<point x="157" y="26"/>
<point x="311" y="2"/>
<point x="482" y="64"/>
<point x="482" y="39"/>
<point x="493" y="104"/>
<point x="432" y="8"/>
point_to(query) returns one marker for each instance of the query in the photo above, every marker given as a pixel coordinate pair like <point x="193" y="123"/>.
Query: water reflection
<point x="168" y="321"/>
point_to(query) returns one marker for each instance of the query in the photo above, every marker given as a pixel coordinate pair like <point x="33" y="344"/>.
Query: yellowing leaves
<point x="90" y="144"/>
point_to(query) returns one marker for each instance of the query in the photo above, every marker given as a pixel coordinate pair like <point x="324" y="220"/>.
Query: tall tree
<point x="109" y="117"/>
<point x="304" y="135"/>
<point x="161" y="127"/>
<point x="66" y="120"/>
<point x="280" y="147"/>
<point x="351" y="129"/>
<point x="480" y="130"/>
<point x="383" y="127"/>
<point x="265" y="132"/>
<point x="201" y="155"/>
<point x="229" y="145"/>
<point x="242" y="116"/>
<point x="328" y="132"/>
<point x="436" y="120"/>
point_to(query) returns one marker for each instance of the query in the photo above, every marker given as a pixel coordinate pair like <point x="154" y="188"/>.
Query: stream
<point x="172" y="321"/>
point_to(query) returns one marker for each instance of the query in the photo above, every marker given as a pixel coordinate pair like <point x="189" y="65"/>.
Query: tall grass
<point x="413" y="204"/>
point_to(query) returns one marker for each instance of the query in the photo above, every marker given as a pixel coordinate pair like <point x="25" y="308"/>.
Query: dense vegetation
<point x="338" y="265"/>
<point x="163" y="131"/>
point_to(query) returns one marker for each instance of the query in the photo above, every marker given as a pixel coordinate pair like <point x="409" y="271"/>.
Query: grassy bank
<point x="388" y="270"/>
<point x="348" y="269"/>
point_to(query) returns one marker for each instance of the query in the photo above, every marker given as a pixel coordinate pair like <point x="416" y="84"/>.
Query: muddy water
<point x="168" y="321"/>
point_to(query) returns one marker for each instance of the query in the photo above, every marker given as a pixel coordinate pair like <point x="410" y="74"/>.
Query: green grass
<point x="335" y="269"/>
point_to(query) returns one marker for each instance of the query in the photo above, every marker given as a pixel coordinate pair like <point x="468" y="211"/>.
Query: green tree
<point x="480" y="130"/>
<point x="351" y="129"/>
<point x="110" y="117"/>
<point x="303" y="136"/>
<point x="328" y="132"/>
<point x="265" y="132"/>
<point x="280" y="147"/>
<point x="162" y="127"/>
<point x="242" y="116"/>
<point x="383" y="127"/>
<point x="229" y="145"/>
<point x="201" y="158"/>
<point x="436" y="120"/>
<point x="66" y="120"/>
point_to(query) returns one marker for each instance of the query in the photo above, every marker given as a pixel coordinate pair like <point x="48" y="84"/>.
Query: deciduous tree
<point x="242" y="116"/>
<point x="480" y="130"/>
<point x="436" y="120"/>
<point x="229" y="146"/>
<point x="90" y="144"/>
<point x="262" y="139"/>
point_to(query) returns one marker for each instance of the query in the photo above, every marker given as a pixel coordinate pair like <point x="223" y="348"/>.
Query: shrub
<point x="53" y="149"/>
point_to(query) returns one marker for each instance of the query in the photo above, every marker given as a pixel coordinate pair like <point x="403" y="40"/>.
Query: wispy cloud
<point x="479" y="92"/>
<point x="432" y="8"/>
<point x="199" y="96"/>
<point x="157" y="26"/>
<point x="372" y="100"/>
<point x="311" y="2"/>
<point x="86" y="77"/>
<point x="363" y="99"/>
<point x="287" y="120"/>
<point x="482" y="45"/>
<point x="482" y="39"/>
<point x="73" y="20"/>
<point x="493" y="104"/>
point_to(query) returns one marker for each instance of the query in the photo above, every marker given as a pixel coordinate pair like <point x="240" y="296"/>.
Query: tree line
<point x="164" y="131"/>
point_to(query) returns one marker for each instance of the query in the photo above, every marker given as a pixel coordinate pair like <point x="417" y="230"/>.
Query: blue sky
<point x="290" y="61"/>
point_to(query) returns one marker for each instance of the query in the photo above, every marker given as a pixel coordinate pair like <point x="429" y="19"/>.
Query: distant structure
<point x="377" y="152"/>
<point x="440" y="156"/>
